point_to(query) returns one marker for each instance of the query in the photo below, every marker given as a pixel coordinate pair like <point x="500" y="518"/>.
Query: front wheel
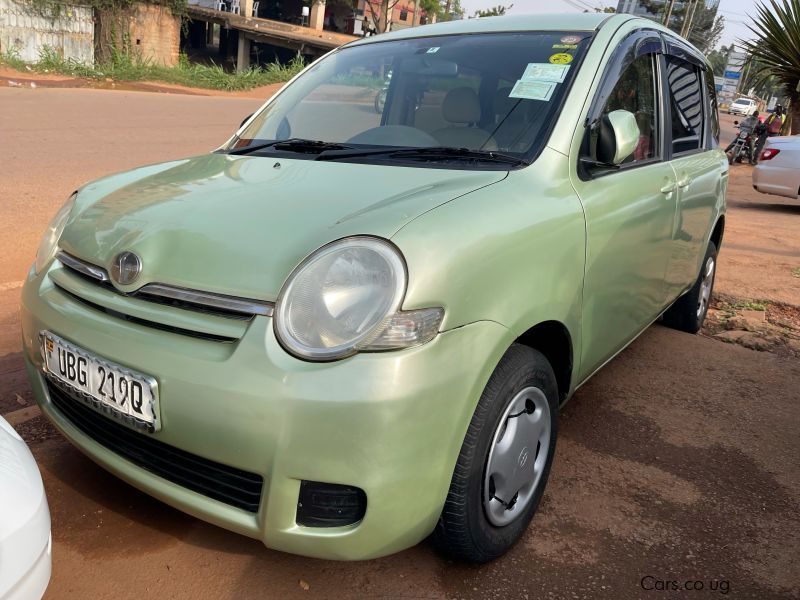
<point x="689" y="311"/>
<point x="505" y="460"/>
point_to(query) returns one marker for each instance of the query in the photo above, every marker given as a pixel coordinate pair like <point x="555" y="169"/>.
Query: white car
<point x="778" y="168"/>
<point x="25" y="542"/>
<point x="742" y="106"/>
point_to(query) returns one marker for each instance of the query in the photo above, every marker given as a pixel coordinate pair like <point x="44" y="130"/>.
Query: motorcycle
<point x="742" y="146"/>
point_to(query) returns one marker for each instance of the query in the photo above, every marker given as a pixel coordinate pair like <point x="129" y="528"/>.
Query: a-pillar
<point x="243" y="53"/>
<point x="317" y="18"/>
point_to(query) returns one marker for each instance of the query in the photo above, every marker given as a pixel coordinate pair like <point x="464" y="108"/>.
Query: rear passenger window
<point x="686" y="105"/>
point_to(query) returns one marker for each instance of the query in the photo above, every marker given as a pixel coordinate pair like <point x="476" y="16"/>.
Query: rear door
<point x="629" y="211"/>
<point x="700" y="167"/>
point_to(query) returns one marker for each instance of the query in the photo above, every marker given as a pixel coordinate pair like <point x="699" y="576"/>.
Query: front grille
<point x="146" y="322"/>
<point x="229" y="485"/>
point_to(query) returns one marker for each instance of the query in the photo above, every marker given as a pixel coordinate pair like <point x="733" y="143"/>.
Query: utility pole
<point x="668" y="13"/>
<point x="414" y="14"/>
<point x="688" y="18"/>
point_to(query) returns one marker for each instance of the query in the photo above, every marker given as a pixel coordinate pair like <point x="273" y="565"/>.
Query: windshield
<point x="490" y="93"/>
<point x="742" y="102"/>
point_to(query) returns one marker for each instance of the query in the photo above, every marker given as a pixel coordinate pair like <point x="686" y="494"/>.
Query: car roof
<point x="548" y="22"/>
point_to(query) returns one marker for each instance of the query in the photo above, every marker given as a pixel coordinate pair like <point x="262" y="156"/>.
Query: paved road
<point x="679" y="461"/>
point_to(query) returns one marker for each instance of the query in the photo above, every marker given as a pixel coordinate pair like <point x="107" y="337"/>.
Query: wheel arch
<point x="718" y="231"/>
<point x="553" y="340"/>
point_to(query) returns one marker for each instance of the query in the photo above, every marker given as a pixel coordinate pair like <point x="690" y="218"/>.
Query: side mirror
<point x="618" y="137"/>
<point x="247" y="118"/>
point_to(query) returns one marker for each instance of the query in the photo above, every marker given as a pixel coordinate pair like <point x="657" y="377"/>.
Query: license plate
<point x="127" y="393"/>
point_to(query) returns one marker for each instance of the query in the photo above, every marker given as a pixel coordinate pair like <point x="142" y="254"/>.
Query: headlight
<point x="345" y="298"/>
<point x="49" y="243"/>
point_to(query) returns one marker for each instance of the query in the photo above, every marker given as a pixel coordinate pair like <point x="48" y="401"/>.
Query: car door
<point x="700" y="168"/>
<point x="629" y="210"/>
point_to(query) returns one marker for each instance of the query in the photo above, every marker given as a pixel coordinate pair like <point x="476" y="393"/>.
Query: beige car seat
<point x="462" y="109"/>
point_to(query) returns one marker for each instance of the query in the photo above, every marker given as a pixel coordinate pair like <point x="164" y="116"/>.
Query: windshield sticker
<point x="545" y="72"/>
<point x="533" y="90"/>
<point x="571" y="39"/>
<point x="562" y="58"/>
<point x="433" y="50"/>
<point x="565" y="46"/>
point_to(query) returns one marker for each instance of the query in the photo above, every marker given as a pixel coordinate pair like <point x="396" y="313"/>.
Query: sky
<point x="736" y="12"/>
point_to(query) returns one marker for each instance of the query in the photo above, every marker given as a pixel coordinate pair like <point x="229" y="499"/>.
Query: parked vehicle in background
<point x="743" y="144"/>
<point x="778" y="168"/>
<point x="742" y="106"/>
<point x="345" y="331"/>
<point x="25" y="544"/>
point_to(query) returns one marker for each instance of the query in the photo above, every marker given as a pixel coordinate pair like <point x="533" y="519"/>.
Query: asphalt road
<point x="679" y="462"/>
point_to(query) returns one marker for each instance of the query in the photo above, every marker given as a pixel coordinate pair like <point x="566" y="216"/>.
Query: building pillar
<point x="243" y="54"/>
<point x="209" y="34"/>
<point x="247" y="8"/>
<point x="317" y="18"/>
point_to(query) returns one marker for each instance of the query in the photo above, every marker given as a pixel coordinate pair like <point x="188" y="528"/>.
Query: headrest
<point x="461" y="105"/>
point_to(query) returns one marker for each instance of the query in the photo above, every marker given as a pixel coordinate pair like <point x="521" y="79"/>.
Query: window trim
<point x="679" y="50"/>
<point x="616" y="64"/>
<point x="711" y="141"/>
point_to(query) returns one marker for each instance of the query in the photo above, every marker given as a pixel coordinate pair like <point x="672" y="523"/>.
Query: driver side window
<point x="636" y="92"/>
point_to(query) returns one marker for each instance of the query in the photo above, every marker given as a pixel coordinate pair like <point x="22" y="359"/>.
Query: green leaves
<point x="776" y="50"/>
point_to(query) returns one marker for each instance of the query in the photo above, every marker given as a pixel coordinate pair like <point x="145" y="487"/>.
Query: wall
<point x="155" y="34"/>
<point x="24" y="32"/>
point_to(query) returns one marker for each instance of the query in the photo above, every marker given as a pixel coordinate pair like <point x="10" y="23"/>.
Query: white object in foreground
<point x="25" y="543"/>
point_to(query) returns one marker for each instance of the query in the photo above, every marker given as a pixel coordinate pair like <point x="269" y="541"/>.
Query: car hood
<point x="239" y="224"/>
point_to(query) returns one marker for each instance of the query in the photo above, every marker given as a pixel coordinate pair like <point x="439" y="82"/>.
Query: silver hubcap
<point x="517" y="457"/>
<point x="705" y="286"/>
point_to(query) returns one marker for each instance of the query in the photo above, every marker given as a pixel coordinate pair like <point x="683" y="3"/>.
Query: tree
<point x="495" y="11"/>
<point x="719" y="60"/>
<point x="703" y="24"/>
<point x="381" y="16"/>
<point x="706" y="29"/>
<point x="775" y="51"/>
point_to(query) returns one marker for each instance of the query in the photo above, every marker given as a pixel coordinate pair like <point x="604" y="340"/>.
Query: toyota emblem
<point x="125" y="268"/>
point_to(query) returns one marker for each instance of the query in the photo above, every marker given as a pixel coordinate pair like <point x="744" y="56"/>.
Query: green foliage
<point x="56" y="8"/>
<point x="775" y="51"/>
<point x="495" y="11"/>
<point x="127" y="68"/>
<point x="719" y="60"/>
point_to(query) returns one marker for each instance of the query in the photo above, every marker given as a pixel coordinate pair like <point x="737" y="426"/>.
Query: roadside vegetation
<point x="123" y="67"/>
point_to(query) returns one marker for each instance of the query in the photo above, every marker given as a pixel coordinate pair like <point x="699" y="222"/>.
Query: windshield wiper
<point x="299" y="145"/>
<point x="434" y="153"/>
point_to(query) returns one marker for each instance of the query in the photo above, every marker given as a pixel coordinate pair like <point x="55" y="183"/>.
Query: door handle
<point x="668" y="188"/>
<point x="685" y="182"/>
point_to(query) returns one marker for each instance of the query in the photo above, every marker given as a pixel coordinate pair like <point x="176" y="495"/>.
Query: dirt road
<point x="679" y="462"/>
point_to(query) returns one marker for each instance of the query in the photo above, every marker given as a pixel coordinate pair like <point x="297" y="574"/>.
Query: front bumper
<point x="391" y="424"/>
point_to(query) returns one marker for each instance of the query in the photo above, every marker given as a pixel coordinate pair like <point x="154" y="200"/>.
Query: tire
<point x="689" y="311"/>
<point x="473" y="524"/>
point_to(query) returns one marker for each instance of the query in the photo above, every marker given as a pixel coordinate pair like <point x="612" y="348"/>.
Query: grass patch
<point x="748" y="305"/>
<point x="127" y="68"/>
<point x="796" y="272"/>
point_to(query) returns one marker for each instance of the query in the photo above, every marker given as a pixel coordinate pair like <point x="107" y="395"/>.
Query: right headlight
<point x="345" y="298"/>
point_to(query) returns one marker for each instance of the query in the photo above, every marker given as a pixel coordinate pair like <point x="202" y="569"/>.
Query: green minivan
<point x="352" y="325"/>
